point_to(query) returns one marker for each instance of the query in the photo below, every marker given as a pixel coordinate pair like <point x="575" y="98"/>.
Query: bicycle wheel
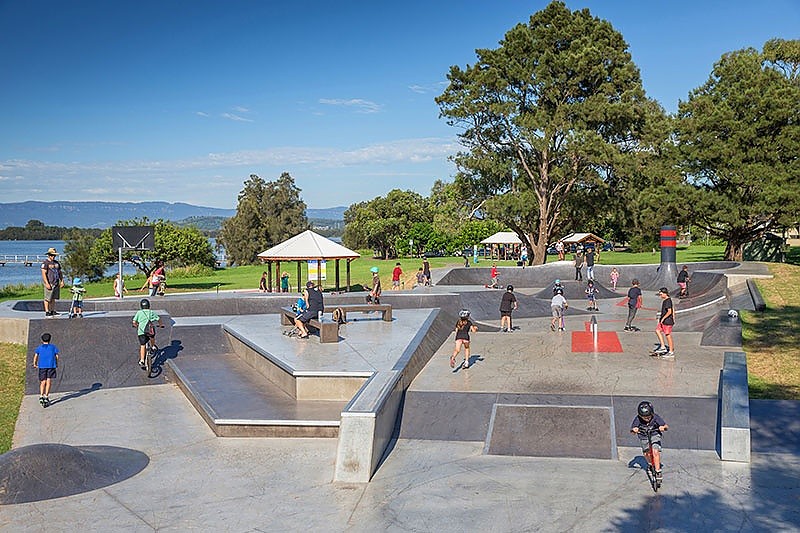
<point x="148" y="361"/>
<point x="651" y="473"/>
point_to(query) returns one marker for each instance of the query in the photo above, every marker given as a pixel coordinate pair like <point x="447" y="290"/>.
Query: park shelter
<point x="306" y="246"/>
<point x="503" y="243"/>
<point x="586" y="239"/>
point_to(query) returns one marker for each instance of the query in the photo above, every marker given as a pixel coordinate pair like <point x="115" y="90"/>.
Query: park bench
<point x="328" y="329"/>
<point x="384" y="309"/>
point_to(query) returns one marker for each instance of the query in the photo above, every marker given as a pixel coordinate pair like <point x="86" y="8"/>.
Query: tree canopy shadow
<point x="767" y="501"/>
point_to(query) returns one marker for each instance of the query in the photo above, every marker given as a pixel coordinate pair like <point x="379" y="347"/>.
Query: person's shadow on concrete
<point x="473" y="358"/>
<point x="78" y="394"/>
<point x="165" y="354"/>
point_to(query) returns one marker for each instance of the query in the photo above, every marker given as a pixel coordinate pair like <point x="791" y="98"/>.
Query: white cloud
<point x="216" y="178"/>
<point x="231" y="116"/>
<point x="425" y="89"/>
<point x="361" y="106"/>
<point x="201" y="114"/>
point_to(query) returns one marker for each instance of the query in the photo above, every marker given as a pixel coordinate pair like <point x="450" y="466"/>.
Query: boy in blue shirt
<point x="646" y="420"/>
<point x="45" y="358"/>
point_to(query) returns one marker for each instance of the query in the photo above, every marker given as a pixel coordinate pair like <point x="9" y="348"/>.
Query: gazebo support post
<point x="269" y="276"/>
<point x="337" y="275"/>
<point x="299" y="274"/>
<point x="348" y="275"/>
<point x="319" y="274"/>
<point x="277" y="276"/>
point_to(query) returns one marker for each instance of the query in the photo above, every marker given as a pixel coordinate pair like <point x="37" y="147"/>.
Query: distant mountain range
<point x="107" y="214"/>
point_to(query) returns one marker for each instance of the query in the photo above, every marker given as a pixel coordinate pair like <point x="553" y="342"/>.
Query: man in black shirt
<point x="314" y="306"/>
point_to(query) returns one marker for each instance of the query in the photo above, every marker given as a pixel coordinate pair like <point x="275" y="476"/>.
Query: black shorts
<point x="305" y="316"/>
<point x="47" y="373"/>
<point x="143" y="339"/>
<point x="505" y="313"/>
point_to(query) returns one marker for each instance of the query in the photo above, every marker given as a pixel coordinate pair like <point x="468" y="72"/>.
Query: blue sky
<point x="182" y="101"/>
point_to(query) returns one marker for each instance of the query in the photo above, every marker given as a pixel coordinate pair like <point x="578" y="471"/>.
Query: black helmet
<point x="464" y="313"/>
<point x="558" y="290"/>
<point x="645" y="409"/>
<point x="510" y="288"/>
<point x="144" y="303"/>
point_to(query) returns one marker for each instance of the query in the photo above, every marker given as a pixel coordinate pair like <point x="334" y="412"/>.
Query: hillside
<point x="106" y="214"/>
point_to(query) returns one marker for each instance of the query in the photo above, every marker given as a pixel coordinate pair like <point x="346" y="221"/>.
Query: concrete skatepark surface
<point x="444" y="482"/>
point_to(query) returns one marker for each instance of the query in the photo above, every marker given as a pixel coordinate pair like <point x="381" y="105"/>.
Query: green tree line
<point x="36" y="230"/>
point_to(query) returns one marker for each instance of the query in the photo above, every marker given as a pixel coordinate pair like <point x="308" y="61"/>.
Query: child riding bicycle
<point x="647" y="421"/>
<point x="145" y="321"/>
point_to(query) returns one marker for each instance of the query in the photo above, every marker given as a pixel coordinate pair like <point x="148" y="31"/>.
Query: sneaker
<point x="41" y="400"/>
<point x="142" y="365"/>
<point x="465" y="364"/>
<point x="626" y="328"/>
<point x="667" y="355"/>
<point x="46" y="403"/>
<point x="504" y="330"/>
<point x="552" y="327"/>
<point x="54" y="313"/>
<point x="659" y="476"/>
<point x="562" y="329"/>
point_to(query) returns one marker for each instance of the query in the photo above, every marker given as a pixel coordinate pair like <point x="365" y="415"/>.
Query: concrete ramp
<point x="95" y="352"/>
<point x="575" y="290"/>
<point x="551" y="431"/>
<point x="485" y="305"/>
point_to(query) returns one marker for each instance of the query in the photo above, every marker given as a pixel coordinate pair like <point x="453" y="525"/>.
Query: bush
<point x="191" y="271"/>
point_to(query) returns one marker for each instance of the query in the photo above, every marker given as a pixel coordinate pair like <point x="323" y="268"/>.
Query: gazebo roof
<point x="307" y="246"/>
<point x="502" y="237"/>
<point x="581" y="237"/>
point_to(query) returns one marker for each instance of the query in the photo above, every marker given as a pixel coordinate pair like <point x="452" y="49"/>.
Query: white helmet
<point x="733" y="314"/>
<point x="464" y="313"/>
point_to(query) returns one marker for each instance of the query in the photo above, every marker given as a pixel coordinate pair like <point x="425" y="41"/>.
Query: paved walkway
<point x="196" y="481"/>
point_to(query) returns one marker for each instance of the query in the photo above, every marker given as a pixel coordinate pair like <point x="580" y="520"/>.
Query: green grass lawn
<point x="770" y="338"/>
<point x="12" y="385"/>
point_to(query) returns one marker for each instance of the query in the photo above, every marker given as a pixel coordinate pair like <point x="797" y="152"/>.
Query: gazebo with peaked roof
<point x="306" y="246"/>
<point x="505" y="239"/>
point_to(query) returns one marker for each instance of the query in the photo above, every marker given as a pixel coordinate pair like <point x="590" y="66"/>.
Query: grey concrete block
<point x="551" y="431"/>
<point x="735" y="409"/>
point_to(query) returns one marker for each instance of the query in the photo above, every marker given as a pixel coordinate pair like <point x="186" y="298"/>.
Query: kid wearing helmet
<point x="375" y="294"/>
<point x="646" y="420"/>
<point x="464" y="327"/>
<point x="591" y="295"/>
<point x="557" y="307"/>
<point x="558" y="287"/>
<point x="507" y="304"/>
<point x="145" y="321"/>
<point x="78" y="292"/>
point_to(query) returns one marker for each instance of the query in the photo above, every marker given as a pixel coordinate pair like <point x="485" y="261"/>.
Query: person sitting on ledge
<point x="314" y="306"/>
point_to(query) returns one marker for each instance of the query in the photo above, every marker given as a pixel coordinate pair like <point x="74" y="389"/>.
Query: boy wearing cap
<point x="666" y="319"/>
<point x="53" y="281"/>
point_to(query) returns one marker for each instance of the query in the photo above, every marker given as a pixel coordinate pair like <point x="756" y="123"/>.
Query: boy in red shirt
<point x="396" y="273"/>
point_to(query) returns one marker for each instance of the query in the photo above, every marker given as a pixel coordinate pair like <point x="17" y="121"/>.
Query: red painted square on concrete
<point x="607" y="342"/>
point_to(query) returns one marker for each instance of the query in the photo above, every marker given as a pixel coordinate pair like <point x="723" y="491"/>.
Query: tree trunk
<point x="734" y="251"/>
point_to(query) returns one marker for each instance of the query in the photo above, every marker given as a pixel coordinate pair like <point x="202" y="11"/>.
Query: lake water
<point x="35" y="251"/>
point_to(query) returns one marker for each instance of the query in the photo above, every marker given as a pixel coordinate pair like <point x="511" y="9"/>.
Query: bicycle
<point x="655" y="481"/>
